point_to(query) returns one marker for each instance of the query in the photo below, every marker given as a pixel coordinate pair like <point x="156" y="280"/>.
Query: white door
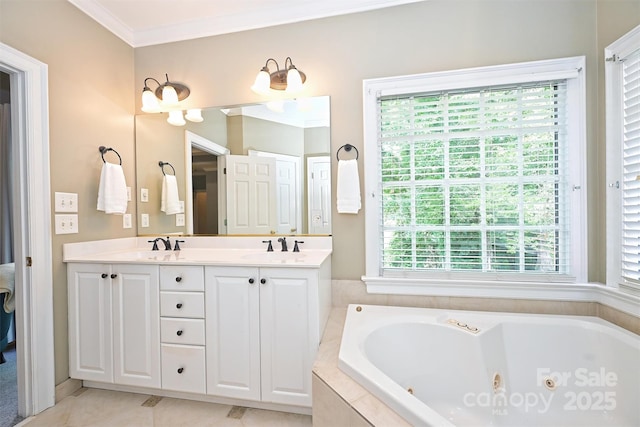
<point x="319" y="194"/>
<point x="250" y="195"/>
<point x="288" y="192"/>
<point x="233" y="332"/>
<point x="136" y="325"/>
<point x="286" y="320"/>
<point x="89" y="300"/>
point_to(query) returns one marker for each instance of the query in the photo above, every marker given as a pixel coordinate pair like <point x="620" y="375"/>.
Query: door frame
<point x="32" y="230"/>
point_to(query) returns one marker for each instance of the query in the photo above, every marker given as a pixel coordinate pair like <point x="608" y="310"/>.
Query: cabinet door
<point x="233" y="332"/>
<point x="288" y="345"/>
<point x="89" y="300"/>
<point x="136" y="325"/>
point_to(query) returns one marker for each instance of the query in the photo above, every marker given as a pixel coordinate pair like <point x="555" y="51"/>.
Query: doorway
<point x="32" y="229"/>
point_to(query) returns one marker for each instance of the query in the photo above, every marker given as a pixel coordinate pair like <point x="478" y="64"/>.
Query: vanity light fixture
<point x="290" y="79"/>
<point x="166" y="98"/>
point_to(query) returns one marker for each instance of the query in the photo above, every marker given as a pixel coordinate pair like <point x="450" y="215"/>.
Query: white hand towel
<point x="112" y="192"/>
<point x="348" y="197"/>
<point x="7" y="285"/>
<point x="170" y="202"/>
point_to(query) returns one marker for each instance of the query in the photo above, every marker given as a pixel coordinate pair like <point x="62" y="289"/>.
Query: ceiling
<point x="150" y="22"/>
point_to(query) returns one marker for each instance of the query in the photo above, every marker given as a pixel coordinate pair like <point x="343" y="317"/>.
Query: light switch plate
<point x="66" y="202"/>
<point x="179" y="220"/>
<point x="144" y="195"/>
<point x="66" y="224"/>
<point x="128" y="194"/>
<point x="144" y="220"/>
<point x="126" y="221"/>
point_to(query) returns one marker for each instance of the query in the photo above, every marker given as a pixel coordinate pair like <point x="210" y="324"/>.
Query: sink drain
<point x="497" y="382"/>
<point x="550" y="383"/>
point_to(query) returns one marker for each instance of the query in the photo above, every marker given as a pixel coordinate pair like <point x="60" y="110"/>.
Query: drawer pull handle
<point x="179" y="332"/>
<point x="251" y="281"/>
<point x="263" y="281"/>
<point x="179" y="305"/>
<point x="113" y="276"/>
<point x="180" y="370"/>
<point x="178" y="279"/>
<point x="104" y="275"/>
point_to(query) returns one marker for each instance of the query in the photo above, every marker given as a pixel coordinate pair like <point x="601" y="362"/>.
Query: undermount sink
<point x="275" y="256"/>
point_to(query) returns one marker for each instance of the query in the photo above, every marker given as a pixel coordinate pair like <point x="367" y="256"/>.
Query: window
<point x="475" y="180"/>
<point x="623" y="161"/>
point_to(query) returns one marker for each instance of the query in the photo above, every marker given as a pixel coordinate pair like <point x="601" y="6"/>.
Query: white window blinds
<point x="475" y="180"/>
<point x="631" y="167"/>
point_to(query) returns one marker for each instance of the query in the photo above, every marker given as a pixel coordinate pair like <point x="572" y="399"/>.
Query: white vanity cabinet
<point x="262" y="332"/>
<point x="114" y="334"/>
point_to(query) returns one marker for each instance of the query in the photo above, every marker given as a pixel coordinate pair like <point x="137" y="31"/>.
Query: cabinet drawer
<point x="182" y="331"/>
<point x="181" y="278"/>
<point x="183" y="368"/>
<point x="182" y="304"/>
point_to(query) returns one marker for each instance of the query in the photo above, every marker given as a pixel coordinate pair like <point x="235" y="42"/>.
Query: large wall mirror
<point x="247" y="169"/>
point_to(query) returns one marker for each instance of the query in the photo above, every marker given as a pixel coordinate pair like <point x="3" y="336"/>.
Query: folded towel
<point x="348" y="194"/>
<point x="112" y="192"/>
<point x="7" y="285"/>
<point x="170" y="203"/>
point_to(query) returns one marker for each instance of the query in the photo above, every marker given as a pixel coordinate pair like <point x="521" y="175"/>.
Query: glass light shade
<point x="262" y="83"/>
<point x="194" y="115"/>
<point x="175" y="118"/>
<point x="149" y="102"/>
<point x="169" y="96"/>
<point x="294" y="81"/>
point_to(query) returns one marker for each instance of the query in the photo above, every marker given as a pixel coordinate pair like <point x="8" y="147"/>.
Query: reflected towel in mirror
<point x="348" y="188"/>
<point x="7" y="285"/>
<point x="170" y="203"/>
<point x="112" y="192"/>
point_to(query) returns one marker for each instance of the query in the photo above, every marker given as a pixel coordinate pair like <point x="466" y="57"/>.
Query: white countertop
<point x="227" y="251"/>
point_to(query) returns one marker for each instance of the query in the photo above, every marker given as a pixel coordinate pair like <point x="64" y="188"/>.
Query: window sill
<point x="587" y="292"/>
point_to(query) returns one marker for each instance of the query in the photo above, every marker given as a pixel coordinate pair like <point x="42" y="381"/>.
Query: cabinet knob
<point x="179" y="332"/>
<point x="104" y="275"/>
<point x="180" y="370"/>
<point x="263" y="281"/>
<point x="113" y="276"/>
<point x="179" y="305"/>
<point x="178" y="279"/>
<point x="251" y="281"/>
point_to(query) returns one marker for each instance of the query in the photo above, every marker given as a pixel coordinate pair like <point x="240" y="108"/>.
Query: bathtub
<point x="465" y="368"/>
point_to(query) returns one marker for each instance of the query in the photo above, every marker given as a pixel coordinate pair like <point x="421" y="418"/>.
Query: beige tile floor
<point x="104" y="408"/>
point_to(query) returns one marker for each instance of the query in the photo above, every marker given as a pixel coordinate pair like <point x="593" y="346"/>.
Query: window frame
<point x="621" y="48"/>
<point x="572" y="69"/>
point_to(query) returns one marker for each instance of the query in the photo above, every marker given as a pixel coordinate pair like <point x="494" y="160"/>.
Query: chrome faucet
<point x="283" y="240"/>
<point x="167" y="243"/>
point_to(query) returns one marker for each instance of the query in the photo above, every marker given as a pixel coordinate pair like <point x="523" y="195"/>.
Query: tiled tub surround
<point x="221" y="320"/>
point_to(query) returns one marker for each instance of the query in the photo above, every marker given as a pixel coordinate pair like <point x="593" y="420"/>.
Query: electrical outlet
<point x="126" y="221"/>
<point x="144" y="195"/>
<point x="144" y="220"/>
<point x="66" y="224"/>
<point x="180" y="220"/>
<point x="66" y="202"/>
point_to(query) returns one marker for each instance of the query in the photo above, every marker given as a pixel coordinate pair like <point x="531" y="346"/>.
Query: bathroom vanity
<point x="220" y="319"/>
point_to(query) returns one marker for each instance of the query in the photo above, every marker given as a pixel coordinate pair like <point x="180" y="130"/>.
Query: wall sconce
<point x="290" y="79"/>
<point x="166" y="98"/>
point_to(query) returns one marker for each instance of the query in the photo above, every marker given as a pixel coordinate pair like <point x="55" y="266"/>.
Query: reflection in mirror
<point x="277" y="164"/>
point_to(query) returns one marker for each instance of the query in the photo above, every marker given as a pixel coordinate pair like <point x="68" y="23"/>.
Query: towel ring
<point x="347" y="148"/>
<point x="103" y="151"/>
<point x="163" y="164"/>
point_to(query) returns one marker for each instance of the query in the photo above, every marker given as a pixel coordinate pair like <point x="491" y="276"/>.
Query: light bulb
<point x="149" y="102"/>
<point x="194" y="115"/>
<point x="294" y="81"/>
<point x="175" y="118"/>
<point x="262" y="83"/>
<point x="169" y="96"/>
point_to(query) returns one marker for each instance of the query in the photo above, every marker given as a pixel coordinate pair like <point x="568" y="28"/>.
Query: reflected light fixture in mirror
<point x="289" y="79"/>
<point x="166" y="98"/>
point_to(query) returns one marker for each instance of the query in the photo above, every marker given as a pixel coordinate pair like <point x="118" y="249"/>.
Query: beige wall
<point x="95" y="79"/>
<point x="91" y="103"/>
